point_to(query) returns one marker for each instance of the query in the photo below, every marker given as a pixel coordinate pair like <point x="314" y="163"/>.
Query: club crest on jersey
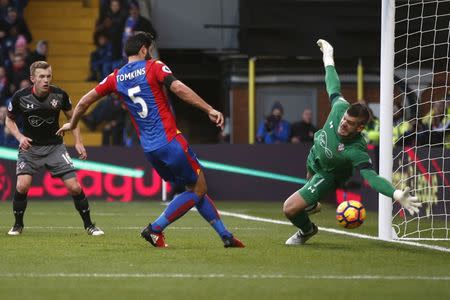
<point x="341" y="147"/>
<point x="166" y="69"/>
<point x="54" y="103"/>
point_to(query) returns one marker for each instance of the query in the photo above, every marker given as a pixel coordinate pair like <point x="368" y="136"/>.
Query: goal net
<point x="421" y="117"/>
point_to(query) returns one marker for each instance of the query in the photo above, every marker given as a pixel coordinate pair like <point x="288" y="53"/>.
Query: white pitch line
<point x="133" y="228"/>
<point x="330" y="230"/>
<point x="219" y="275"/>
<point x="74" y="213"/>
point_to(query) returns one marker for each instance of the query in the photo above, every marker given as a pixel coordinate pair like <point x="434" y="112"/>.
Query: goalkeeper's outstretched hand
<point x="327" y="51"/>
<point x="408" y="202"/>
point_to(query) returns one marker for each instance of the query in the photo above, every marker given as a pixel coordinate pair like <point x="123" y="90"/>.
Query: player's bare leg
<point x="200" y="187"/>
<point x="20" y="203"/>
<point x="295" y="210"/>
<point x="82" y="205"/>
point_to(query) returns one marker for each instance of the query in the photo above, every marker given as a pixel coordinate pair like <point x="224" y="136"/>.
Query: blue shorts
<point x="175" y="162"/>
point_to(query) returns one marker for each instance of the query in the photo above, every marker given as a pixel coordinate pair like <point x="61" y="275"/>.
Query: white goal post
<point x="415" y="116"/>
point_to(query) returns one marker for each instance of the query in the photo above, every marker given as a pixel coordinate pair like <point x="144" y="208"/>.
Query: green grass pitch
<point x="55" y="259"/>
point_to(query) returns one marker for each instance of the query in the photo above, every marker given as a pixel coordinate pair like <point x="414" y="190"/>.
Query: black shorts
<point x="53" y="157"/>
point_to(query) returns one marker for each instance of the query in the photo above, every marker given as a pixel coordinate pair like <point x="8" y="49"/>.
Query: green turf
<point x="54" y="246"/>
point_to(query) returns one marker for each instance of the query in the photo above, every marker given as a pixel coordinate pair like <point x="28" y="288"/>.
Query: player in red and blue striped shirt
<point x="140" y="84"/>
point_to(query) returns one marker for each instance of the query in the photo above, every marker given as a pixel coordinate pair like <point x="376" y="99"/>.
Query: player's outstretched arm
<point x="332" y="81"/>
<point x="381" y="185"/>
<point x="327" y="52"/>
<point x="186" y="94"/>
<point x="80" y="109"/>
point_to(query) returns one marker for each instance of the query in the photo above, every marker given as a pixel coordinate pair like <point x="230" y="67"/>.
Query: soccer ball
<point x="350" y="214"/>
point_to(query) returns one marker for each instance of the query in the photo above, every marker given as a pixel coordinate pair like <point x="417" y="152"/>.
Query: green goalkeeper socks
<point x="302" y="221"/>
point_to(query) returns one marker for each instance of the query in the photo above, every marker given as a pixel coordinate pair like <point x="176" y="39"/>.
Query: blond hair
<point x="40" y="64"/>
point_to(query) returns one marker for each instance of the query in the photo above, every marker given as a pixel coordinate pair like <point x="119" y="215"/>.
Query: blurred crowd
<point x="433" y="128"/>
<point x="118" y="20"/>
<point x="275" y="130"/>
<point x="15" y="58"/>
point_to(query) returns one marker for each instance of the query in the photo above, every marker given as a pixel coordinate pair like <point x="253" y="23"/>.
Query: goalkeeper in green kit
<point x="338" y="148"/>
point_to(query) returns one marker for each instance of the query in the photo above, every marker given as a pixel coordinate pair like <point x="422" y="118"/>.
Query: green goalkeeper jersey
<point x="337" y="156"/>
<point x="333" y="154"/>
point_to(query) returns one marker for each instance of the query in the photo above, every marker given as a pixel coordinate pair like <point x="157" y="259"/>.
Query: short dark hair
<point x="136" y="41"/>
<point x="360" y="111"/>
<point x="40" y="64"/>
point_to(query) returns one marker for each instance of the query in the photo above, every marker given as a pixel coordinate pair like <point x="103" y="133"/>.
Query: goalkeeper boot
<point x="94" y="231"/>
<point x="16" y="229"/>
<point x="232" y="242"/>
<point x="300" y="238"/>
<point x="313" y="209"/>
<point x="154" y="238"/>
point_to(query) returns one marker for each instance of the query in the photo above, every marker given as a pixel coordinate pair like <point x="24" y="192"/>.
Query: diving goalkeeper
<point x="338" y="148"/>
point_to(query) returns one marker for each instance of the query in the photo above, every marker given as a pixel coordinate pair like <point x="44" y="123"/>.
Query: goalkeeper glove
<point x="327" y="51"/>
<point x="408" y="202"/>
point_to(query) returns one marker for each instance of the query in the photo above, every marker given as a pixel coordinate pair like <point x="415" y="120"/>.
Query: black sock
<point x="82" y="205"/>
<point x="19" y="206"/>
<point x="302" y="221"/>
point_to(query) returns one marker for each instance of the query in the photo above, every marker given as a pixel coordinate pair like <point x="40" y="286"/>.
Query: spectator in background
<point x="372" y="130"/>
<point x="18" y="71"/>
<point x="4" y="4"/>
<point x="101" y="58"/>
<point x="19" y="5"/>
<point x="3" y="39"/>
<point x="21" y="47"/>
<point x="416" y="134"/>
<point x="9" y="44"/>
<point x="136" y="22"/>
<point x="274" y="130"/>
<point x="400" y="126"/>
<point x="6" y="138"/>
<point x="106" y="7"/>
<point x="97" y="115"/>
<point x="103" y="7"/>
<point x="13" y="19"/>
<point x="115" y="115"/>
<point x="437" y="123"/>
<point x="110" y="9"/>
<point x="24" y="83"/>
<point x="110" y="112"/>
<point x="436" y="118"/>
<point x="304" y="130"/>
<point x="112" y="23"/>
<point x="4" y="88"/>
<point x="4" y="95"/>
<point x="39" y="54"/>
<point x="371" y="134"/>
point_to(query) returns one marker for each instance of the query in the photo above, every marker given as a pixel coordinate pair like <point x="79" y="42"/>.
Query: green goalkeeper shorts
<point x="317" y="187"/>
